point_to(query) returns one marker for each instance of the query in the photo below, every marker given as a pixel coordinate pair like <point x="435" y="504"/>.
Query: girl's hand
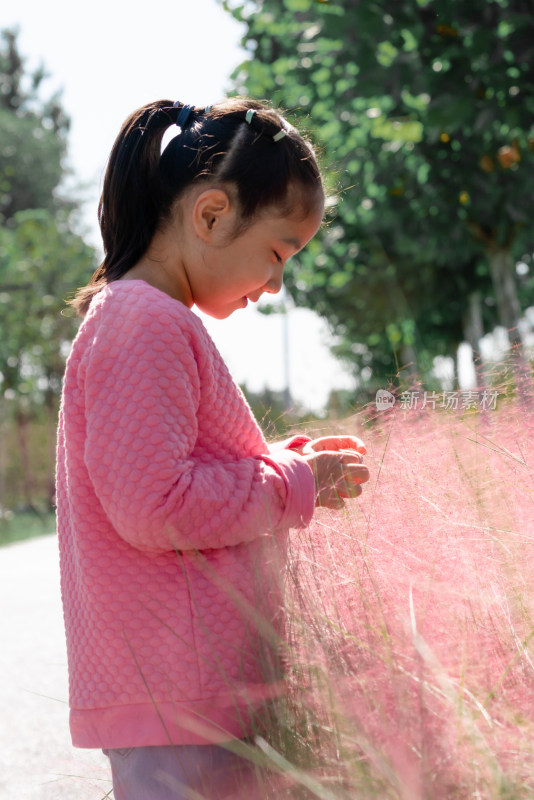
<point x="334" y="443"/>
<point x="338" y="473"/>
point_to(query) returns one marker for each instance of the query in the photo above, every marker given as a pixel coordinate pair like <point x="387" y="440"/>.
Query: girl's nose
<point x="274" y="285"/>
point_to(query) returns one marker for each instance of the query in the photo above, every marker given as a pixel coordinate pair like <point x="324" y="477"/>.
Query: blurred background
<point x="422" y="112"/>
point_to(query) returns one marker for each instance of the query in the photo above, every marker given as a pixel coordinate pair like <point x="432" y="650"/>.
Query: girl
<point x="172" y="510"/>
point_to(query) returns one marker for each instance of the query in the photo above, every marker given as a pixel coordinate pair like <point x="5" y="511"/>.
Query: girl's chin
<point x="230" y="308"/>
<point x="223" y="311"/>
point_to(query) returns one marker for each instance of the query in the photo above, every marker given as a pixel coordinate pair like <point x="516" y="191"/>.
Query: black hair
<point x="260" y="154"/>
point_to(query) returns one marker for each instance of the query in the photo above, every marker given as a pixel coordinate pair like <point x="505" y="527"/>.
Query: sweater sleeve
<point x="142" y="393"/>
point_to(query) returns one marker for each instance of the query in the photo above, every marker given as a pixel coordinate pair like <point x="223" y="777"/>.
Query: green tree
<point x="42" y="260"/>
<point x="33" y="135"/>
<point x="424" y="109"/>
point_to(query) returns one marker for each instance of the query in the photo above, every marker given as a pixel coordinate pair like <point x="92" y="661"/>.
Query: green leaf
<point x="298" y="5"/>
<point x="386" y="53"/>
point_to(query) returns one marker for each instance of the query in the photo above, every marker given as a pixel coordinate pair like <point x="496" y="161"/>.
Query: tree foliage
<point x="33" y="135"/>
<point x="42" y="260"/>
<point x="424" y="111"/>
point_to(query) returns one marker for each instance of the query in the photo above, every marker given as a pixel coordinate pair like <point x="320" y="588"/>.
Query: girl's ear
<point x="212" y="212"/>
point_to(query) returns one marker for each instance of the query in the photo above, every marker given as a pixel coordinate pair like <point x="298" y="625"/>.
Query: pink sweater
<point x="172" y="520"/>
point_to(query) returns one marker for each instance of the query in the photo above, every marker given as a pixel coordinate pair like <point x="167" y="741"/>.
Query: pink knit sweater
<point x="172" y="520"/>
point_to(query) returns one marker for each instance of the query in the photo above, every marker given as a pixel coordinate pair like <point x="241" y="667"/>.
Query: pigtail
<point x="133" y="197"/>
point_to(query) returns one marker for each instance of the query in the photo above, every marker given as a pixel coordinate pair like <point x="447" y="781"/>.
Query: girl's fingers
<point x="338" y="474"/>
<point x="335" y="503"/>
<point x="350" y="456"/>
<point x="350" y="491"/>
<point x="336" y="443"/>
<point x="360" y="473"/>
<point x="348" y="486"/>
<point x="335" y="498"/>
<point x="353" y="454"/>
<point x="355" y="471"/>
<point x="350" y="482"/>
<point x="330" y="500"/>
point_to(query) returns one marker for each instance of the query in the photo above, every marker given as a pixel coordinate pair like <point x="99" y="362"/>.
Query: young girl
<point x="173" y="511"/>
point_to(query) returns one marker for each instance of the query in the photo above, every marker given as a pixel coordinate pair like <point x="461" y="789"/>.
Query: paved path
<point x="37" y="761"/>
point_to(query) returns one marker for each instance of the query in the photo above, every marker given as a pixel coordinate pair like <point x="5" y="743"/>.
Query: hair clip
<point x="280" y="135"/>
<point x="277" y="136"/>
<point x="185" y="113"/>
<point x="207" y="110"/>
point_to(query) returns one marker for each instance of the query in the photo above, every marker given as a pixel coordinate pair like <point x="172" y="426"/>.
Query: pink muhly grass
<point x="411" y="618"/>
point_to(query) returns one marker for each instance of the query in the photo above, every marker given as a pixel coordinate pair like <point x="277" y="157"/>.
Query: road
<point x="37" y="760"/>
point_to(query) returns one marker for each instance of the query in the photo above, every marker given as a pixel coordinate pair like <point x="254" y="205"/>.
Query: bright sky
<point x="110" y="57"/>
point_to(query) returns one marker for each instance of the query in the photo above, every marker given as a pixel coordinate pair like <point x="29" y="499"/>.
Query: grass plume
<point x="410" y="649"/>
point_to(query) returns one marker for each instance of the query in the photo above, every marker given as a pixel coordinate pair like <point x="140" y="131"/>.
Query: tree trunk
<point x="26" y="477"/>
<point x="409" y="364"/>
<point x="455" y="372"/>
<point x="504" y="285"/>
<point x="51" y="423"/>
<point x="3" y="455"/>
<point x="473" y="332"/>
<point x="502" y="273"/>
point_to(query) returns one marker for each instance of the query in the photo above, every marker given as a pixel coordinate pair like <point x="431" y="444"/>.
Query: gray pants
<point x="185" y="772"/>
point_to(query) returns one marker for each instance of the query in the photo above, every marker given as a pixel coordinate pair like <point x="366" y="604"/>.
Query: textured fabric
<point x="172" y="521"/>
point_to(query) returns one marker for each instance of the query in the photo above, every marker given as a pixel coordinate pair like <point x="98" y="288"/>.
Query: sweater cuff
<point x="300" y="487"/>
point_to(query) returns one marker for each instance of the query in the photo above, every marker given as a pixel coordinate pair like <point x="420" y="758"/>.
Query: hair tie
<point x="185" y="113"/>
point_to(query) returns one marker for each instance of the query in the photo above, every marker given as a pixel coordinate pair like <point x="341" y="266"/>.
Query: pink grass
<point x="411" y="617"/>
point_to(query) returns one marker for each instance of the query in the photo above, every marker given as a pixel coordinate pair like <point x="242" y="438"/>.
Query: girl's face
<point x="231" y="271"/>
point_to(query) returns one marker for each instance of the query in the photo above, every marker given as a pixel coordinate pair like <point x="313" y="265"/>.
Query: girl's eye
<point x="278" y="258"/>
